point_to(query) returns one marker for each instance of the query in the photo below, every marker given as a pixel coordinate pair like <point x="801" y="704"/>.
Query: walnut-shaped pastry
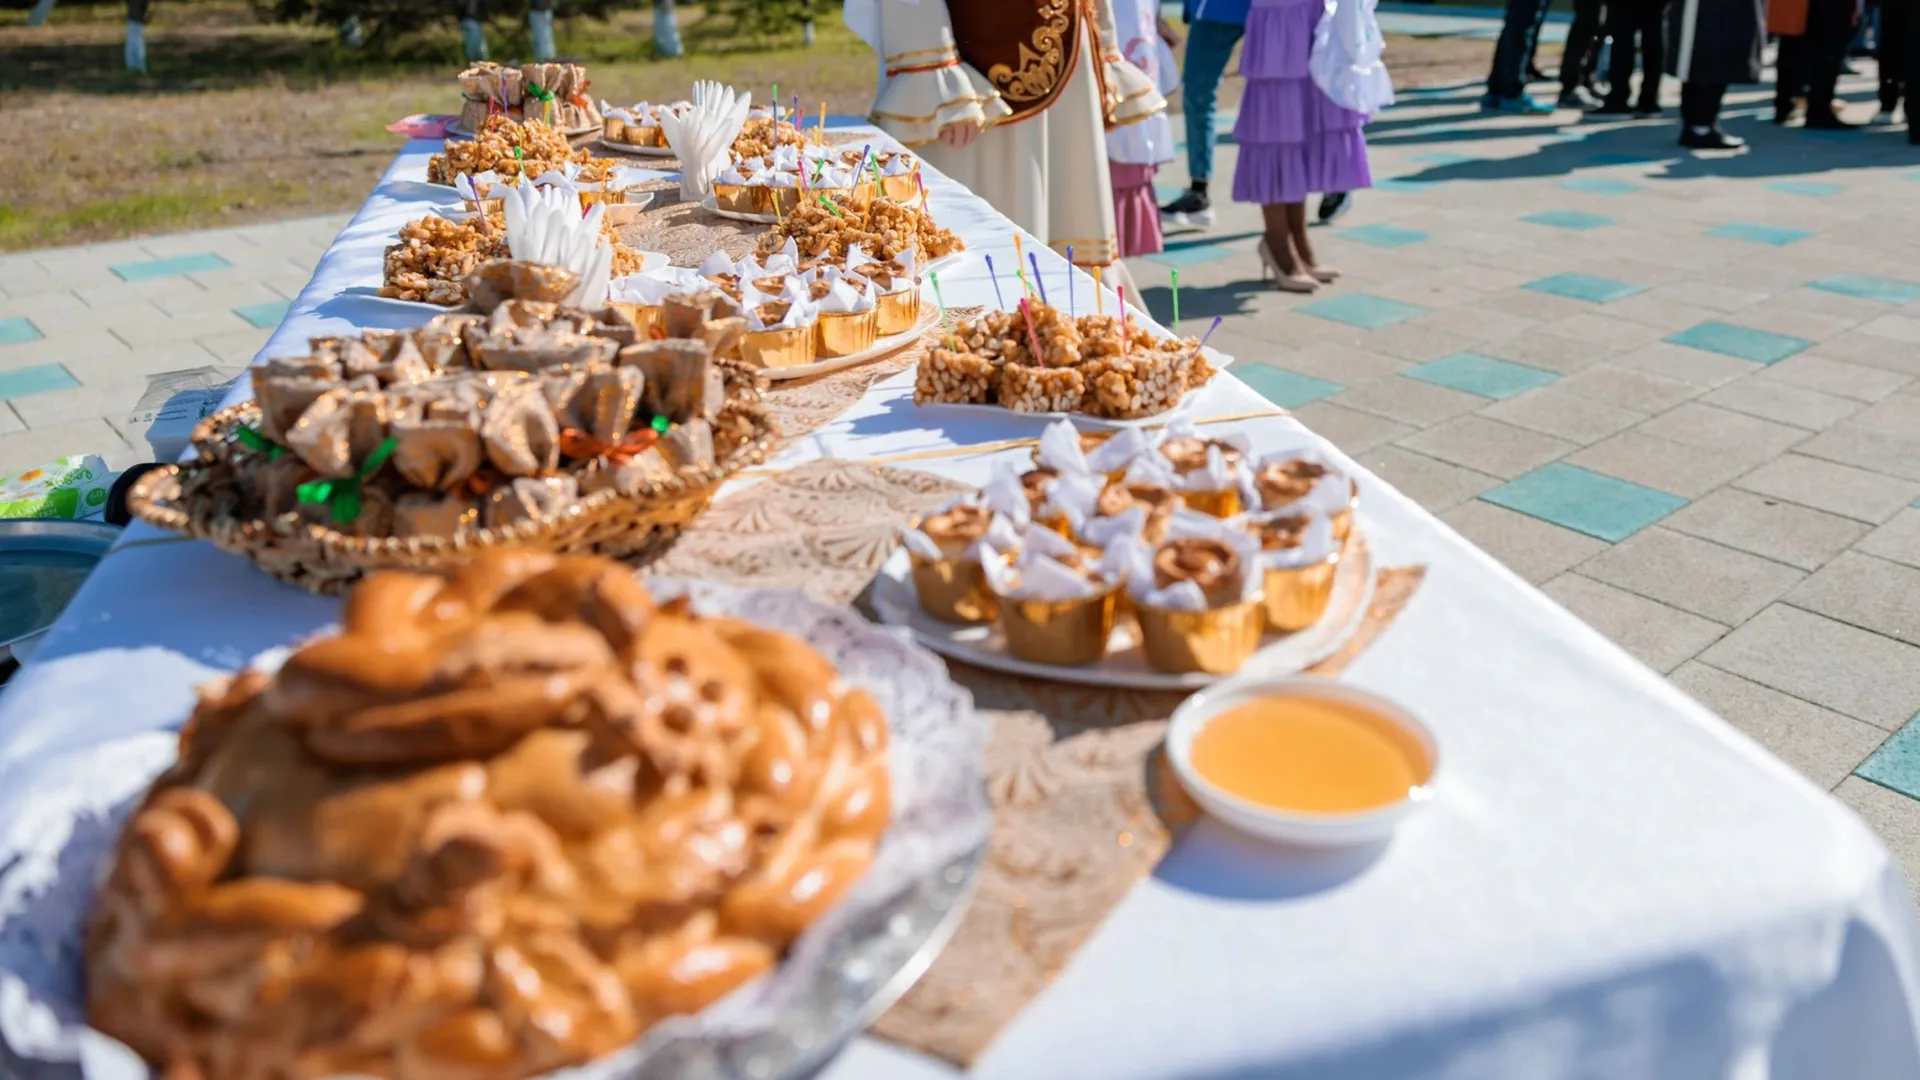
<point x="501" y="823"/>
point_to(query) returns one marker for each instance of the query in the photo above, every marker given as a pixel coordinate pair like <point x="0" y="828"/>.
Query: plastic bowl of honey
<point x="1302" y="760"/>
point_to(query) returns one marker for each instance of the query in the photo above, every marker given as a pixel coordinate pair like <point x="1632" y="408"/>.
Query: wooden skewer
<point x="1008" y="444"/>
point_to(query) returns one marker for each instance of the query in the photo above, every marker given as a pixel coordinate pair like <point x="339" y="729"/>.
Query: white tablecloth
<point x="1611" y="883"/>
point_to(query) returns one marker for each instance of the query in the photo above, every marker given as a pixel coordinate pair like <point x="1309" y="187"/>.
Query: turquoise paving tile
<point x="1481" y="375"/>
<point x="1568" y="219"/>
<point x="1803" y="187"/>
<point x="1287" y="389"/>
<point x="179" y="264"/>
<point x="1913" y="174"/>
<point x="37" y="379"/>
<point x="266" y="316"/>
<point x="1585" y="501"/>
<point x="1896" y="764"/>
<point x="1758" y="234"/>
<point x="1600" y="185"/>
<point x="1442" y="157"/>
<point x="1362" y="310"/>
<point x="1760" y="346"/>
<point x="17" y="329"/>
<point x="1861" y="285"/>
<point x="1410" y="187"/>
<point x="1588" y="287"/>
<point x="1386" y="236"/>
<point x="1169" y="192"/>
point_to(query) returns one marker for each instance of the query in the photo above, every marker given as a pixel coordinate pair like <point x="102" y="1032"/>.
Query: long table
<point x="1611" y="882"/>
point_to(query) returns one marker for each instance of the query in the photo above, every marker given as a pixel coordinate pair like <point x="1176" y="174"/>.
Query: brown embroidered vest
<point x="1025" y="48"/>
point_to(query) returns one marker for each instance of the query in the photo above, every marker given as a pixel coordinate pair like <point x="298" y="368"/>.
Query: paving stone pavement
<point x="1681" y="395"/>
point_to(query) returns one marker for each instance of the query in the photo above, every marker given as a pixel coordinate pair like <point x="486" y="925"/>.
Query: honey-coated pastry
<point x="1282" y="532"/>
<point x="501" y="823"/>
<point x="1208" y="563"/>
<point x="1187" y="453"/>
<point x="957" y="528"/>
<point x="1283" y="482"/>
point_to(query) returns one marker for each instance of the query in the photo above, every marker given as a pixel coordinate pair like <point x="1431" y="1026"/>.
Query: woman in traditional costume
<point x="1312" y="81"/>
<point x="1012" y="98"/>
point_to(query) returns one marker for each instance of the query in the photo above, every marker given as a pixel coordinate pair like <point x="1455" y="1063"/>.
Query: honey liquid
<point x="1309" y="753"/>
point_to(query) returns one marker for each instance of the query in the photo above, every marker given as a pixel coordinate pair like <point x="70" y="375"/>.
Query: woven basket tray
<point x="202" y="499"/>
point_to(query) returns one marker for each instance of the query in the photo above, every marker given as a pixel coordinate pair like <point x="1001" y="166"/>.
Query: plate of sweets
<point x="1161" y="562"/>
<point x="508" y="149"/>
<point x="618" y="186"/>
<point x="766" y="189"/>
<point x="803" y="318"/>
<point x="524" y="818"/>
<point x="550" y="93"/>
<point x="429" y="266"/>
<point x="635" y="129"/>
<point x="1099" y="370"/>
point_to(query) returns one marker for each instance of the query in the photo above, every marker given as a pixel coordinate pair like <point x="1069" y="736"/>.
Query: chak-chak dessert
<point x="500" y="824"/>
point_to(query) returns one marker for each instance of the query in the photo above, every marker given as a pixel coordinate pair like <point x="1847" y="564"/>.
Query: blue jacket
<point x="1226" y="11"/>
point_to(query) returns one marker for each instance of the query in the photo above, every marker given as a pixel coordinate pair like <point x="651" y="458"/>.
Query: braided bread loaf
<point x="501" y="823"/>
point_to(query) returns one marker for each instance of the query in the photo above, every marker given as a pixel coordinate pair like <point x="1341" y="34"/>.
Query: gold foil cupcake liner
<point x="899" y="311"/>
<point x="1342" y="519"/>
<point x="1221" y="504"/>
<point x="1215" y="641"/>
<point x="736" y="199"/>
<point x="1294" y="597"/>
<point x="843" y="333"/>
<point x="952" y="589"/>
<point x="900" y="189"/>
<point x="1068" y="633"/>
<point x="645" y="316"/>
<point x="785" y="347"/>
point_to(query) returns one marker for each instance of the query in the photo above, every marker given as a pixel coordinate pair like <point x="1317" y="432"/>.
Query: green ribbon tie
<point x="659" y="424"/>
<point x="342" y="494"/>
<point x="253" y="440"/>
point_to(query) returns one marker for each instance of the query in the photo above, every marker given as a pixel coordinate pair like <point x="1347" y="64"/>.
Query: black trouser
<point x="1518" y="35"/>
<point x="1647" y="18"/>
<point x="1790" y="71"/>
<point x="1891" y="50"/>
<point x="1829" y="31"/>
<point x="1700" y="104"/>
<point x="1582" y="38"/>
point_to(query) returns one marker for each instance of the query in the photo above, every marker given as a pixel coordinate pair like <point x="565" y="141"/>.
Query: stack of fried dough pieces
<point x="500" y="823"/>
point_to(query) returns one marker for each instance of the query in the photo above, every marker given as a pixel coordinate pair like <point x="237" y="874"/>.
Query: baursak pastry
<point x="501" y="823"/>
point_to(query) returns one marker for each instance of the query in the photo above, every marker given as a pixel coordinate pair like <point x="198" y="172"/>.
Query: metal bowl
<point x="42" y="564"/>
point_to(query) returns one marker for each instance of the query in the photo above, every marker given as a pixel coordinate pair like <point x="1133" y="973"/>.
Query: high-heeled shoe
<point x="1282" y="280"/>
<point x="1325" y="275"/>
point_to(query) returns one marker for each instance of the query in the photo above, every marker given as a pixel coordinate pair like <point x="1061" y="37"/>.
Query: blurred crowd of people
<point x="1709" y="45"/>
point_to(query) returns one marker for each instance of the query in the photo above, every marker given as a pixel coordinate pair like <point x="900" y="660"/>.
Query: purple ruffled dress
<point x="1293" y="139"/>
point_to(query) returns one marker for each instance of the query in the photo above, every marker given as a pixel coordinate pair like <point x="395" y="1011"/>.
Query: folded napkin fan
<point x="702" y="135"/>
<point x="545" y="226"/>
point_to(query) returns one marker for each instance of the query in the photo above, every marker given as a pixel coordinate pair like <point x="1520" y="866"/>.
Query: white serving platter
<point x="1125" y="664"/>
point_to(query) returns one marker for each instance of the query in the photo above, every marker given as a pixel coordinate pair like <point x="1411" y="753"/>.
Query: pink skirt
<point x="1137" y="218"/>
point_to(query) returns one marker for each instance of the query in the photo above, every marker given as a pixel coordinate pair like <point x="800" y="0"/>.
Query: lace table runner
<point x="801" y="406"/>
<point x="1083" y="803"/>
